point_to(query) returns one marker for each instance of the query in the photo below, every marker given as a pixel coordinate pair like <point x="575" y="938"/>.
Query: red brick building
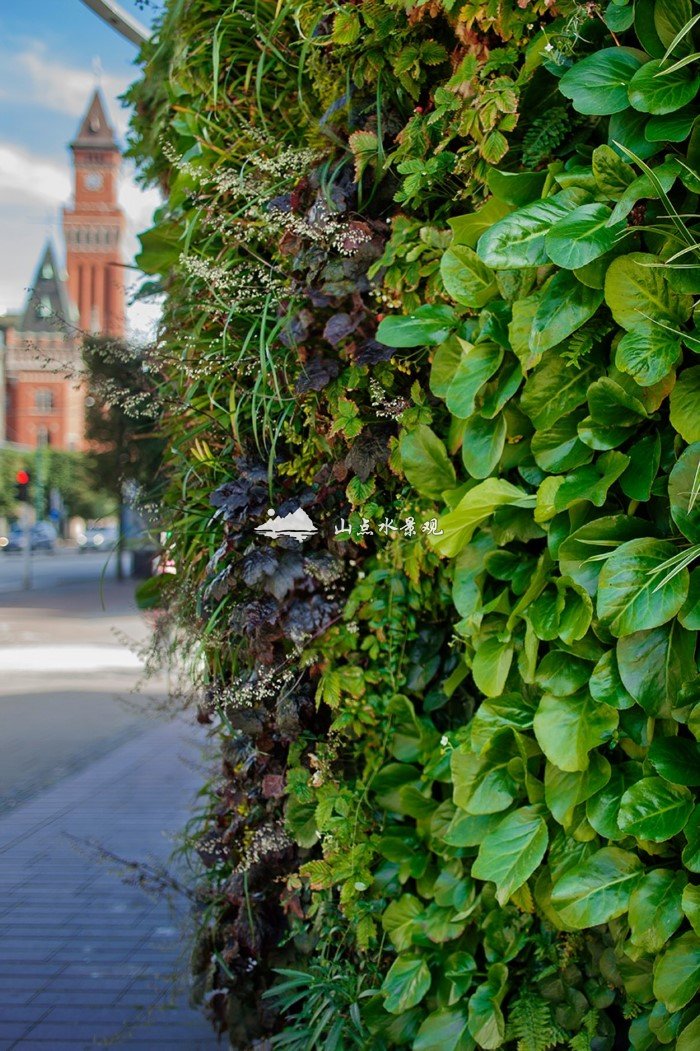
<point x="44" y="402"/>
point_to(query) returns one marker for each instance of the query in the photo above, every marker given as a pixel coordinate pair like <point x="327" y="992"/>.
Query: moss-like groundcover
<point x="430" y="273"/>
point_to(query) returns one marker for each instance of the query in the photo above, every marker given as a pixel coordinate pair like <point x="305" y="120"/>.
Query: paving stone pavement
<point x="86" y="960"/>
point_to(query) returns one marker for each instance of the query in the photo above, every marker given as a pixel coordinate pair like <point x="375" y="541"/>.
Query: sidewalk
<point x="85" y="960"/>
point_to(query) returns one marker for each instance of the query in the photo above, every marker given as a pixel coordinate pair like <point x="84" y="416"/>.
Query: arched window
<point x="43" y="307"/>
<point x="44" y="401"/>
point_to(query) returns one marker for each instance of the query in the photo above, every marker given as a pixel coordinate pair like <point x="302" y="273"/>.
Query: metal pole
<point x="120" y="20"/>
<point x="27" y="564"/>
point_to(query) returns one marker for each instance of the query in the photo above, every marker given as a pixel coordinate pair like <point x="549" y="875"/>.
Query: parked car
<point x="98" y="538"/>
<point x="42" y="536"/>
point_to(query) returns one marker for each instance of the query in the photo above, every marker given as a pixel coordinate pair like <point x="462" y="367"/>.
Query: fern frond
<point x="530" y="1023"/>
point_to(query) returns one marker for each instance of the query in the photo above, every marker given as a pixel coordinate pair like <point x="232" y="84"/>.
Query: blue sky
<point x="51" y="52"/>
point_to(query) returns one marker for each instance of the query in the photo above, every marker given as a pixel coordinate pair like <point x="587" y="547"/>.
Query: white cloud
<point x="66" y="89"/>
<point x="26" y="176"/>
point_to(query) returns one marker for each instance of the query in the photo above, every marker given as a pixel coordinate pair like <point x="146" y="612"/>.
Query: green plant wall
<point x="436" y="264"/>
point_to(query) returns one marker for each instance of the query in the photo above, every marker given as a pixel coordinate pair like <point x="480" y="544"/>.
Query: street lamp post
<point x="120" y="20"/>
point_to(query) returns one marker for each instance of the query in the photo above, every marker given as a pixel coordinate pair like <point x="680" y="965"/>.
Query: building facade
<point x="41" y="346"/>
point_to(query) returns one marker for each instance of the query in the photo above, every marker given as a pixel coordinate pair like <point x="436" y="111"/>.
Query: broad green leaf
<point x="518" y="239"/>
<point x="605" y="683"/>
<point x="484" y="784"/>
<point x="445" y="1029"/>
<point x="648" y="353"/>
<point x="445" y="361"/>
<point x="689" y="616"/>
<point x="425" y="462"/>
<point x="628" y="129"/>
<point x="466" y="279"/>
<point x="516" y="188"/>
<point x="677" y="972"/>
<point x="555" y="389"/>
<point x="598" y="889"/>
<point x="558" y="448"/>
<point x="644" y="187"/>
<point x="689" y="1038"/>
<point x="632" y="594"/>
<point x="652" y="91"/>
<point x="684" y="493"/>
<point x="562" y="674"/>
<point x="482" y="444"/>
<point x="400" y="920"/>
<point x="598" y="84"/>
<point x="637" y="292"/>
<point x="564" y="791"/>
<point x="582" y="236"/>
<point x="467" y="229"/>
<point x="475" y="507"/>
<point x="427" y="326"/>
<point x="406" y="983"/>
<point x="509" y="855"/>
<point x="468" y="830"/>
<point x="690" y="903"/>
<point x="491" y="665"/>
<point x="609" y="399"/>
<point x="612" y="174"/>
<point x="654" y="664"/>
<point x="671" y="127"/>
<point x="655" y="910"/>
<point x="602" y="808"/>
<point x="691" y="851"/>
<point x="596" y="538"/>
<point x="478" y="363"/>
<point x="645" y="457"/>
<point x="495" y="714"/>
<point x="677" y="759"/>
<point x="655" y="810"/>
<point x="590" y="482"/>
<point x="684" y="404"/>
<point x="486" y="1022"/>
<point x="618" y="18"/>
<point x="523" y="312"/>
<point x="670" y="20"/>
<point x="567" y="728"/>
<point x="498" y="392"/>
<point x="645" y="29"/>
<point x="564" y="307"/>
<point x="577" y="614"/>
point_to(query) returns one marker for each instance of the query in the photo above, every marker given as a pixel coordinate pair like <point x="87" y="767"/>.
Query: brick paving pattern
<point x="86" y="960"/>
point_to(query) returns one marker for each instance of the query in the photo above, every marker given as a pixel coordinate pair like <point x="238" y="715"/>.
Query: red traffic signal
<point x="22" y="478"/>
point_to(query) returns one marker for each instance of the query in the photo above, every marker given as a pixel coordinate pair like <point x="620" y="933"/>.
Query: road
<point x="66" y="676"/>
<point x="90" y="772"/>
<point x="50" y="571"/>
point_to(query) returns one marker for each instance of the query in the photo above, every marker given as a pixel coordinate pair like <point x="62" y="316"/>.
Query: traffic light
<point x="22" y="479"/>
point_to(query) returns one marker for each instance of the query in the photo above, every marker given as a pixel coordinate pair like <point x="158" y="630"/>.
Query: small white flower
<point x="444" y="740"/>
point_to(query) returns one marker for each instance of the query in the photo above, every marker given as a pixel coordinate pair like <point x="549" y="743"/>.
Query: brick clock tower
<point x="94" y="227"/>
<point x="40" y="345"/>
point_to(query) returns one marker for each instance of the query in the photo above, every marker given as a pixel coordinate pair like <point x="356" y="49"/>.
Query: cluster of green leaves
<point x="496" y="806"/>
<point x="570" y="380"/>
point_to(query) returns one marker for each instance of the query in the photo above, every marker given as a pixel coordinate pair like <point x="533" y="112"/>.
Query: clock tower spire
<point x="94" y="226"/>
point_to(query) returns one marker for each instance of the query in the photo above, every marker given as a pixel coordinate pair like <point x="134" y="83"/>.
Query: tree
<point x="121" y="422"/>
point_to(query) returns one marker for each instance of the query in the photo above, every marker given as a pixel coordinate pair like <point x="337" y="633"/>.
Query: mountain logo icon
<point x="297" y="525"/>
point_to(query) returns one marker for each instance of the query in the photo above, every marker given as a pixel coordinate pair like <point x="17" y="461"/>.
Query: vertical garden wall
<point x="431" y="271"/>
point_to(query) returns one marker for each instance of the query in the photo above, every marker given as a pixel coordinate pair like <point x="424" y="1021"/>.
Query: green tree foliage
<point x="463" y="757"/>
<point x="71" y="474"/>
<point x="121" y="420"/>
